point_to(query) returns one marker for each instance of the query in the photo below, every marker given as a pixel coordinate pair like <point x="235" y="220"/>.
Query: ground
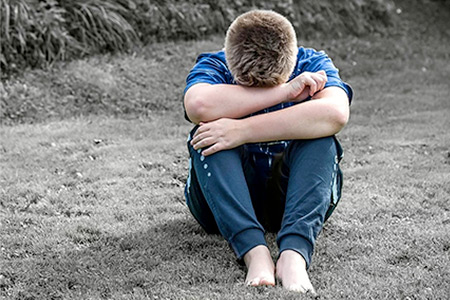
<point x="92" y="207"/>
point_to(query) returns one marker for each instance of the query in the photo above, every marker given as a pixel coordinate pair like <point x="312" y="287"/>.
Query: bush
<point x="192" y="19"/>
<point x="37" y="33"/>
<point x="99" y="25"/>
<point x="32" y="33"/>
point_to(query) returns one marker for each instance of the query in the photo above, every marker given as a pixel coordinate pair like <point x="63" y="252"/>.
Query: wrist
<point x="285" y="92"/>
<point x="244" y="131"/>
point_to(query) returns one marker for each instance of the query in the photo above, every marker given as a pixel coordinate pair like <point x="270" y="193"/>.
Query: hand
<point x="306" y="84"/>
<point x="218" y="135"/>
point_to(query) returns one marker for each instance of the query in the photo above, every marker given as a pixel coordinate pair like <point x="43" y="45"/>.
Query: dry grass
<point x="91" y="207"/>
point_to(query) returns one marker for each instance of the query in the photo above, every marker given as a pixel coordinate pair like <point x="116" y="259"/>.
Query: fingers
<point x="216" y="136"/>
<point x="205" y="142"/>
<point x="311" y="83"/>
<point x="201" y="129"/>
<point x="208" y="145"/>
<point x="315" y="81"/>
<point x="324" y="78"/>
<point x="211" y="150"/>
<point x="203" y="138"/>
<point x="198" y="137"/>
<point x="320" y="79"/>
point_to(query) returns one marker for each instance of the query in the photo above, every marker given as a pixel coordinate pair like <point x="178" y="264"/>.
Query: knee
<point x="321" y="146"/>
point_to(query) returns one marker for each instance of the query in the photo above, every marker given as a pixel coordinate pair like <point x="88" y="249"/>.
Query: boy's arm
<point x="325" y="115"/>
<point x="205" y="102"/>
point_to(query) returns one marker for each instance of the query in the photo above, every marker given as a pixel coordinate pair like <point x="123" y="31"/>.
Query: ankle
<point x="292" y="257"/>
<point x="258" y="252"/>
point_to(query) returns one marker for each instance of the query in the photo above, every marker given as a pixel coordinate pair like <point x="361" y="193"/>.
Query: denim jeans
<point x="237" y="194"/>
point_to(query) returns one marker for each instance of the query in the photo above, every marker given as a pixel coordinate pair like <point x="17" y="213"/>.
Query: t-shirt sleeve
<point x="209" y="68"/>
<point x="319" y="60"/>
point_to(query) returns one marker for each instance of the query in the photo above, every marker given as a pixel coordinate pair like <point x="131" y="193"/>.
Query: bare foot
<point x="291" y="271"/>
<point x="260" y="267"/>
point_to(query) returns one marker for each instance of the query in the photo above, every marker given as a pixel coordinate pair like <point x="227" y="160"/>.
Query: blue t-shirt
<point x="212" y="68"/>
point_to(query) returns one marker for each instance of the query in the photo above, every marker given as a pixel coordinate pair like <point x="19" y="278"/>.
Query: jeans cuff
<point x="299" y="244"/>
<point x="246" y="240"/>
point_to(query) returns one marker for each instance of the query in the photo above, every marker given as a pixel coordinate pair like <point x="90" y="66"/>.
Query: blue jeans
<point x="232" y="193"/>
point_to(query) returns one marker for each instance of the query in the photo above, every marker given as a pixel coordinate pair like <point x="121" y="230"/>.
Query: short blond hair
<point x="261" y="48"/>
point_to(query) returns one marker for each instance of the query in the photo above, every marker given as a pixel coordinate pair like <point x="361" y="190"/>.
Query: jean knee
<point x="323" y="148"/>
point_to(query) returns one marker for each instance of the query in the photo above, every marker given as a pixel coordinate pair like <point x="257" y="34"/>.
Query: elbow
<point x="340" y="118"/>
<point x="195" y="108"/>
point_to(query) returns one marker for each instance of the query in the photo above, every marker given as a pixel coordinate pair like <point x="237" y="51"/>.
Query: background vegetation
<point x="93" y="162"/>
<point x="40" y="32"/>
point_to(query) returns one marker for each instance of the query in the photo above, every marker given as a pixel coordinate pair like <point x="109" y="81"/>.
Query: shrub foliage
<point x="32" y="32"/>
<point x="99" y="24"/>
<point x="39" y="32"/>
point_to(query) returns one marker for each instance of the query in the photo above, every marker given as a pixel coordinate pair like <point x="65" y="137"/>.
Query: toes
<point x="313" y="293"/>
<point x="300" y="288"/>
<point x="296" y="288"/>
<point x="253" y="282"/>
<point x="260" y="282"/>
<point x="266" y="282"/>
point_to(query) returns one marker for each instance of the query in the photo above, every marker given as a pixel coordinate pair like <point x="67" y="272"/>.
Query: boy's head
<point x="261" y="48"/>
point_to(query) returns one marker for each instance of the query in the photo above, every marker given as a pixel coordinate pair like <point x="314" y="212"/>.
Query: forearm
<point x="324" y="115"/>
<point x="308" y="120"/>
<point x="205" y="102"/>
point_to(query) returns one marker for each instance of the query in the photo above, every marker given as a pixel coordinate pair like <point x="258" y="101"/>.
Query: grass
<point x="123" y="86"/>
<point x="91" y="205"/>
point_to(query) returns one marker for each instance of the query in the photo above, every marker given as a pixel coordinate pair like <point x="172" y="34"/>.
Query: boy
<point x="263" y="155"/>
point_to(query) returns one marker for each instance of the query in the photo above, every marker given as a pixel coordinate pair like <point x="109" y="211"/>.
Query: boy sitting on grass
<point x="262" y="158"/>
